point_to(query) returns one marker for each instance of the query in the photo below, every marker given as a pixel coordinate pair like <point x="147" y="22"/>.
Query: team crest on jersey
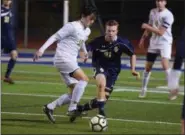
<point x="116" y="49"/>
<point x="80" y="42"/>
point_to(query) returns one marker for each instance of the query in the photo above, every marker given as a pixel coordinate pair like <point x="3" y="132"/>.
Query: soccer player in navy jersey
<point x="174" y="77"/>
<point x="8" y="44"/>
<point x="106" y="60"/>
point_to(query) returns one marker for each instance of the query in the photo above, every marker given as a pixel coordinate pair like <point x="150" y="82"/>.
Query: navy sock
<point x="10" y="66"/>
<point x="88" y="106"/>
<point x="101" y="105"/>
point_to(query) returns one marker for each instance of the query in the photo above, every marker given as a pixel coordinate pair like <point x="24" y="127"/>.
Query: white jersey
<point x="161" y="19"/>
<point x="71" y="38"/>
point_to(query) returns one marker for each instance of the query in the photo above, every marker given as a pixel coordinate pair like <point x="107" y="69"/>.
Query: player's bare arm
<point x="149" y="28"/>
<point x="48" y="43"/>
<point x="142" y="40"/>
<point x="133" y="66"/>
<point x="83" y="53"/>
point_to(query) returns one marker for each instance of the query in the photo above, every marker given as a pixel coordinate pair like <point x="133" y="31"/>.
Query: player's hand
<point x="137" y="74"/>
<point x="144" y="26"/>
<point x="141" y="43"/>
<point x="85" y="58"/>
<point x="37" y="55"/>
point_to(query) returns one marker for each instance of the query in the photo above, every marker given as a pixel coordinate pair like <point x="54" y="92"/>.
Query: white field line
<point x="46" y="73"/>
<point x="88" y="98"/>
<point x="116" y="88"/>
<point x="111" y="119"/>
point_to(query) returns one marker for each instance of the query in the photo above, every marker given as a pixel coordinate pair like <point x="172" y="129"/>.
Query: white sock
<point x="62" y="100"/>
<point x="146" y="77"/>
<point x="77" y="94"/>
<point x="167" y="73"/>
<point x="173" y="80"/>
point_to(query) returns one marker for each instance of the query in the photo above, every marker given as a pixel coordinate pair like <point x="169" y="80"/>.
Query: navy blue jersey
<point x="6" y="21"/>
<point x="7" y="34"/>
<point x="108" y="55"/>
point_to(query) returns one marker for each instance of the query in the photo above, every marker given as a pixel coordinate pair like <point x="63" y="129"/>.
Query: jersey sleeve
<point x="168" y="20"/>
<point x="127" y="48"/>
<point x="65" y="31"/>
<point x="4" y="12"/>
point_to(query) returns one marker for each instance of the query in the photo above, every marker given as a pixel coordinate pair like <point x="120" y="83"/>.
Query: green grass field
<point x="36" y="85"/>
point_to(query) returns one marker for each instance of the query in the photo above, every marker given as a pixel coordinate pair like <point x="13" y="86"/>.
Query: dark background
<point x="46" y="16"/>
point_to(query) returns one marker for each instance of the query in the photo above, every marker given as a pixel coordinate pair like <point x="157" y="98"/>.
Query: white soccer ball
<point x="98" y="123"/>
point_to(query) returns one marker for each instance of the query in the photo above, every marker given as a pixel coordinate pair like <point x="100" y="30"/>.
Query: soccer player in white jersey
<point x="70" y="40"/>
<point x="159" y="27"/>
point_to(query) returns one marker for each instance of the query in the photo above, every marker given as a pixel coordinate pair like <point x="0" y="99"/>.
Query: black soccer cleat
<point x="8" y="80"/>
<point x="49" y="113"/>
<point x="73" y="118"/>
<point x="75" y="113"/>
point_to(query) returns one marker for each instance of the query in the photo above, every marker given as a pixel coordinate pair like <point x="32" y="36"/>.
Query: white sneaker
<point x="142" y="94"/>
<point x="173" y="94"/>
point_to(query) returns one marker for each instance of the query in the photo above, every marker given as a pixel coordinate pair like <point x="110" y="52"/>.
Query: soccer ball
<point x="98" y="123"/>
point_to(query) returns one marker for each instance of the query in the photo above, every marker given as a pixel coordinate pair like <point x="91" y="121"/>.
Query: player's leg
<point x="10" y="66"/>
<point x="151" y="57"/>
<point x="165" y="57"/>
<point x="63" y="99"/>
<point x="10" y="47"/>
<point x="101" y="84"/>
<point x="174" y="76"/>
<point x="78" y="90"/>
<point x="110" y="81"/>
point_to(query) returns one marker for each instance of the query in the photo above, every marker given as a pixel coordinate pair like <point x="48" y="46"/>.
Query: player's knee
<point x="85" y="78"/>
<point x="148" y="66"/>
<point x="14" y="55"/>
<point x="101" y="86"/>
<point x="165" y="63"/>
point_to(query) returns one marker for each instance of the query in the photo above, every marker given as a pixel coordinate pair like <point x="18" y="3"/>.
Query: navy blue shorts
<point x="111" y="75"/>
<point x="179" y="56"/>
<point x="7" y="44"/>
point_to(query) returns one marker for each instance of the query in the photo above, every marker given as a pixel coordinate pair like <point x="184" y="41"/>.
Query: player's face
<point x="7" y="2"/>
<point x="111" y="32"/>
<point x="160" y="4"/>
<point x="89" y="20"/>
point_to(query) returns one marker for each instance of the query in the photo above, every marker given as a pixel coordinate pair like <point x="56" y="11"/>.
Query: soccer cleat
<point x="142" y="94"/>
<point x="173" y="94"/>
<point x="8" y="80"/>
<point x="49" y="113"/>
<point x="73" y="118"/>
<point x="75" y="113"/>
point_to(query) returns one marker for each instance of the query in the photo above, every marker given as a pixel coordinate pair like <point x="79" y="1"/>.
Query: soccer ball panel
<point x="97" y="128"/>
<point x="98" y="123"/>
<point x="103" y="122"/>
<point x="94" y="120"/>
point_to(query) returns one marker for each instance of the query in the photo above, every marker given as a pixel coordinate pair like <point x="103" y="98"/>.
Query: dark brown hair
<point x="112" y="23"/>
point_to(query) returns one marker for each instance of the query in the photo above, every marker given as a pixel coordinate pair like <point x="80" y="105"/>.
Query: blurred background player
<point x="174" y="76"/>
<point x="106" y="60"/>
<point x="70" y="39"/>
<point x="8" y="43"/>
<point x="159" y="26"/>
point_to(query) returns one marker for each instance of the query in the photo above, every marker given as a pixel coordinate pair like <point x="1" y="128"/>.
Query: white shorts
<point x="165" y="52"/>
<point x="68" y="79"/>
<point x="65" y="68"/>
